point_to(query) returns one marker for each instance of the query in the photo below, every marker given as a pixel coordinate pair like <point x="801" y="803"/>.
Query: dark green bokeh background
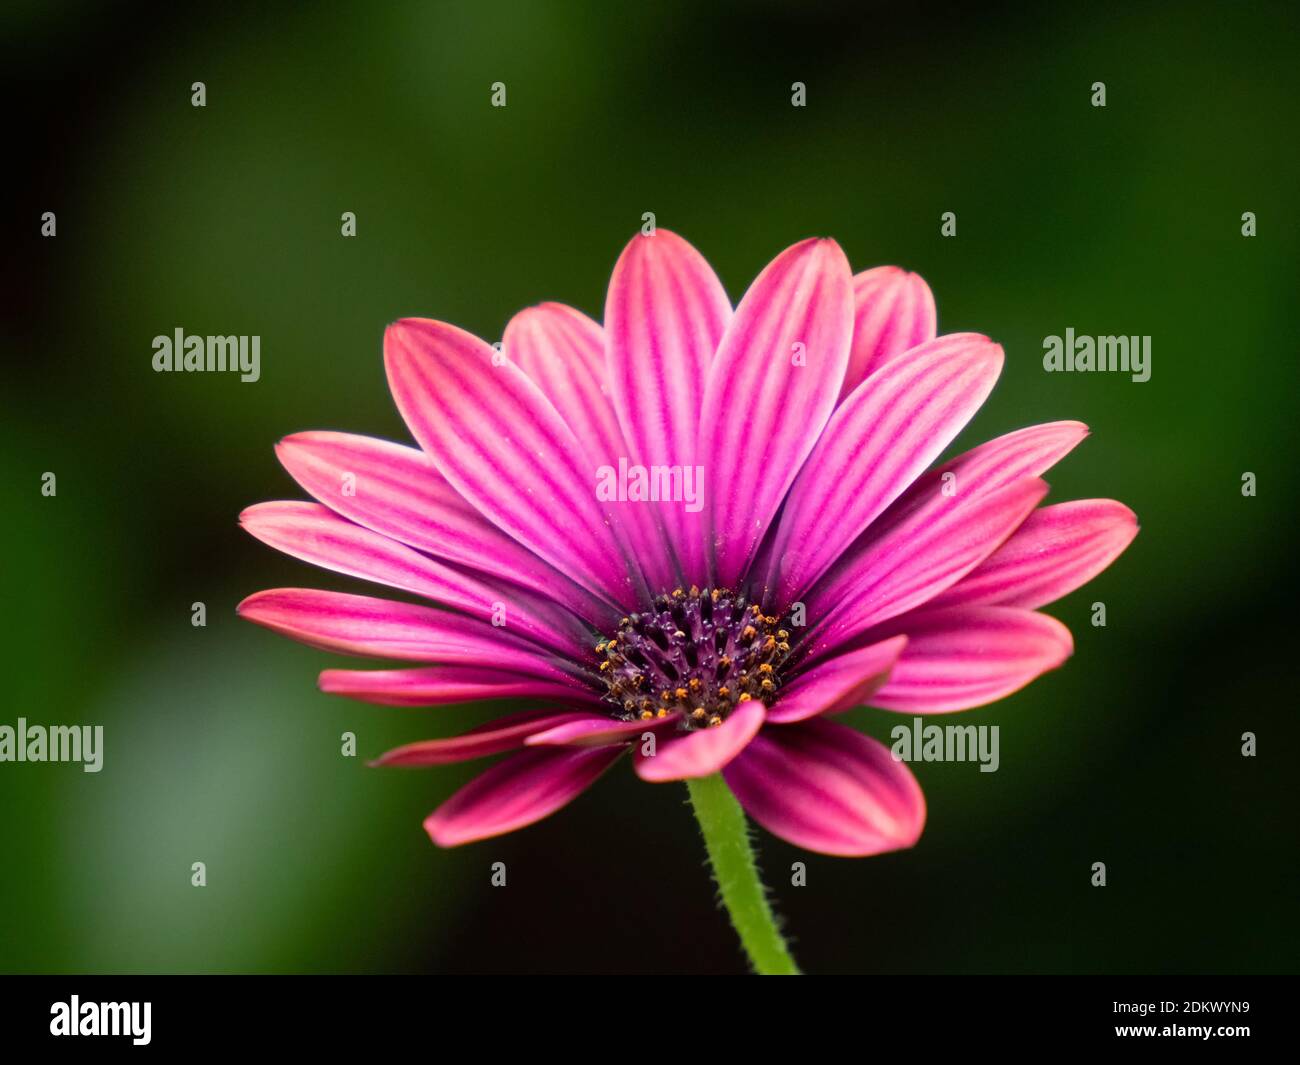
<point x="226" y="220"/>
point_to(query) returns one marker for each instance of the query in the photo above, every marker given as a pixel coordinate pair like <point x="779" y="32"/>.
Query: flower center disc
<point x="698" y="653"/>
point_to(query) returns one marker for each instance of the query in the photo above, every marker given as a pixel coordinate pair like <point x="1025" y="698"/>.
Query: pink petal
<point x="878" y="442"/>
<point x="919" y="557"/>
<point x="317" y="535"/>
<point x="380" y="628"/>
<point x="504" y="734"/>
<point x="999" y="462"/>
<point x="703" y="751"/>
<point x="828" y="789"/>
<point x="1028" y="452"/>
<point x="444" y="685"/>
<point x="1055" y="551"/>
<point x="836" y="684"/>
<point x="987" y="468"/>
<point x="398" y="491"/>
<point x="967" y="656"/>
<point x="501" y="445"/>
<point x="893" y="311"/>
<point x="563" y="352"/>
<point x="766" y="400"/>
<point x="516" y="792"/>
<point x="664" y="316"/>
<point x="600" y="731"/>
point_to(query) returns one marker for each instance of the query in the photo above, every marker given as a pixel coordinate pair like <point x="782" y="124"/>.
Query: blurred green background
<point x="225" y="220"/>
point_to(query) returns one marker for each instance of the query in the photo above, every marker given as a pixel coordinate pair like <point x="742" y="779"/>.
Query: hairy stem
<point x="726" y="838"/>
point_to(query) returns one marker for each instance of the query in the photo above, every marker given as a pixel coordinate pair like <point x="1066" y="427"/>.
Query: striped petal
<point x="893" y="310"/>
<point x="994" y="465"/>
<point x="963" y="657"/>
<point x="839" y="683"/>
<point x="1055" y="551"/>
<point x="563" y="352"/>
<point x="398" y="491"/>
<point x="444" y="685"/>
<point x="665" y="314"/>
<point x="518" y="791"/>
<point x="600" y="731"/>
<point x="380" y="628"/>
<point x="879" y="441"/>
<point x="916" y="559"/>
<point x="771" y="389"/>
<point x="504" y="734"/>
<point x="704" y="751"/>
<point x="828" y="789"/>
<point x="499" y="442"/>
<point x="316" y="534"/>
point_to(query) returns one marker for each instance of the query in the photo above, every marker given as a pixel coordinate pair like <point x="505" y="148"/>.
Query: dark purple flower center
<point x="697" y="653"/>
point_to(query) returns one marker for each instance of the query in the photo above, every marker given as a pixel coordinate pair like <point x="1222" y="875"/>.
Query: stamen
<point x="698" y="654"/>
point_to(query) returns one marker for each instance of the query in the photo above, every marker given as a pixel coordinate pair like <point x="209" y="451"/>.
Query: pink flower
<point x="817" y="567"/>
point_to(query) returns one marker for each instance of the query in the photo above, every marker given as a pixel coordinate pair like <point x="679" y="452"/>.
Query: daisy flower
<point x="692" y="535"/>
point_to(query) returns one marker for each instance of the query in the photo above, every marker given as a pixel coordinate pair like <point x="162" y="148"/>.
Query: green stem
<point x="726" y="838"/>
